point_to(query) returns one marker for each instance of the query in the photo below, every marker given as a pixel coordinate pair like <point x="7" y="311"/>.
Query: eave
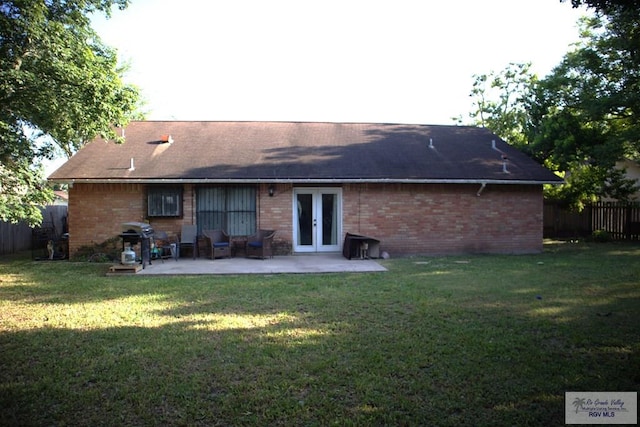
<point x="323" y="181"/>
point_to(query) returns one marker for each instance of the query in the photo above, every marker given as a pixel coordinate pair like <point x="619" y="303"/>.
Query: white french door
<point x="317" y="225"/>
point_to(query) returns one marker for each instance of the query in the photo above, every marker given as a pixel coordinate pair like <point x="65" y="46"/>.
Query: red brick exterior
<point x="275" y="213"/>
<point x="96" y="211"/>
<point x="406" y="218"/>
<point x="445" y="219"/>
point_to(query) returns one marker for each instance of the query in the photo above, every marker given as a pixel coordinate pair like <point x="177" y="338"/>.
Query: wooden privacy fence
<point x="14" y="237"/>
<point x="620" y="220"/>
<point x="20" y="237"/>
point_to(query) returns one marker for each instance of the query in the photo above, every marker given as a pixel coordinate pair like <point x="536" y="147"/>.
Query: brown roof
<point x="301" y="152"/>
<point x="63" y="195"/>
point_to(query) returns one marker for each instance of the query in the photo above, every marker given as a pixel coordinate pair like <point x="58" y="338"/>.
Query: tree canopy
<point x="500" y="101"/>
<point x="582" y="118"/>
<point x="605" y="6"/>
<point x="585" y="118"/>
<point x="60" y="87"/>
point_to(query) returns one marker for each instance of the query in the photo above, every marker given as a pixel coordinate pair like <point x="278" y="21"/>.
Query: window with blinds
<point x="232" y="209"/>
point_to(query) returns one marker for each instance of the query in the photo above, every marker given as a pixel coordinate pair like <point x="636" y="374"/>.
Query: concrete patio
<point x="317" y="263"/>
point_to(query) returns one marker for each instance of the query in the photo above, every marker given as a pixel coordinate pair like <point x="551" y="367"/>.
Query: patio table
<point x="238" y="243"/>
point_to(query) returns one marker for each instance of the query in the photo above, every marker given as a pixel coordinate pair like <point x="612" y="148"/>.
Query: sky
<point x="400" y="61"/>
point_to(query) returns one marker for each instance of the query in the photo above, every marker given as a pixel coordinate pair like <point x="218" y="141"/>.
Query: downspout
<point x="484" y="184"/>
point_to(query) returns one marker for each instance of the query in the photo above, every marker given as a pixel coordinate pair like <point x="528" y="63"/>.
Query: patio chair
<point x="164" y="246"/>
<point x="259" y="244"/>
<point x="189" y="239"/>
<point x="218" y="242"/>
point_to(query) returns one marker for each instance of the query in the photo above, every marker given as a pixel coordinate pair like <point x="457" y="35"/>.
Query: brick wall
<point x="426" y="219"/>
<point x="96" y="212"/>
<point x="275" y="213"/>
<point x="441" y="219"/>
<point x="407" y="218"/>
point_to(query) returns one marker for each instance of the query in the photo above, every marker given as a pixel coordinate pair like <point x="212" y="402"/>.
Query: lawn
<point x="475" y="340"/>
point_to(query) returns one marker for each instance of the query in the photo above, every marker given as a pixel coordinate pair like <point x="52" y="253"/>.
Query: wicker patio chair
<point x="260" y="244"/>
<point x="218" y="242"/>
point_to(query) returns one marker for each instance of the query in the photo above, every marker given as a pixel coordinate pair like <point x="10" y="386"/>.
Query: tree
<point x="500" y="101"/>
<point x="582" y="118"/>
<point x="60" y="87"/>
<point x="585" y="117"/>
<point x="605" y="6"/>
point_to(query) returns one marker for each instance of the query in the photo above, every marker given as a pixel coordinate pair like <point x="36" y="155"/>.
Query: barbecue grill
<point x="138" y="232"/>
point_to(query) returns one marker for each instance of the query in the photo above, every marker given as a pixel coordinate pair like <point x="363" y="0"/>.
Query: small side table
<point x="238" y="243"/>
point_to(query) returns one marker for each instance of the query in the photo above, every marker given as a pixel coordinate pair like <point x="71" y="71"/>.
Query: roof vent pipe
<point x="431" y="143"/>
<point x="493" y="144"/>
<point x="131" y="166"/>
<point x="504" y="164"/>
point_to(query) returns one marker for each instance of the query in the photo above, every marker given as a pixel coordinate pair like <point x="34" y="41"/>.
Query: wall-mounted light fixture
<point x="272" y="190"/>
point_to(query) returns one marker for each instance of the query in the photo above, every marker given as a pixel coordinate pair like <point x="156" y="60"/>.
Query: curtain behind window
<point x="232" y="209"/>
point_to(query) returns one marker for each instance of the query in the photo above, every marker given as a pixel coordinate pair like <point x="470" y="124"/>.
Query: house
<point x="632" y="171"/>
<point x="418" y="189"/>
<point x="60" y="198"/>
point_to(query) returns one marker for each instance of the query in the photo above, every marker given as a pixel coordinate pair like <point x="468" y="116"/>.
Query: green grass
<point x="476" y="340"/>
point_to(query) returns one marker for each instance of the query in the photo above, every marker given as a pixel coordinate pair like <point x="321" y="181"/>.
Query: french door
<point x="317" y="225"/>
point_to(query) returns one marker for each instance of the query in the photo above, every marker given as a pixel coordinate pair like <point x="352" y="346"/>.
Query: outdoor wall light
<point x="272" y="190"/>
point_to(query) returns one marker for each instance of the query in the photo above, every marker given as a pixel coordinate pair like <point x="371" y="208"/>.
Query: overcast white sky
<point x="400" y="61"/>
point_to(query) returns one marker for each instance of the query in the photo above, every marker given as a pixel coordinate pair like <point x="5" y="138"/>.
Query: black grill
<point x="138" y="232"/>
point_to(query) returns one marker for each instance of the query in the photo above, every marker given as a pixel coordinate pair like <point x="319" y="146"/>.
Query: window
<point x="164" y="202"/>
<point x="232" y="209"/>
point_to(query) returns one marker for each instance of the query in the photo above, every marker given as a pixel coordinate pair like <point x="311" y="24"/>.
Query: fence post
<point x="627" y="221"/>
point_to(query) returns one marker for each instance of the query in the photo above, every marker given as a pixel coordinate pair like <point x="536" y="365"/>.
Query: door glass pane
<point x="305" y="219"/>
<point x="329" y="219"/>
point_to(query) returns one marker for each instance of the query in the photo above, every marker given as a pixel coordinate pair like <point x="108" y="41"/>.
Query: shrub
<point x="107" y="251"/>
<point x="601" y="236"/>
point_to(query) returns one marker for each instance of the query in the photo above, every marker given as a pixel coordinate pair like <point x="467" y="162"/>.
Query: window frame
<point x="165" y="192"/>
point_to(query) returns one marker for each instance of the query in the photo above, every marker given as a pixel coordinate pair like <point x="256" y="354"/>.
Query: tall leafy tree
<point x="500" y="101"/>
<point x="605" y="6"/>
<point x="581" y="119"/>
<point x="585" y="117"/>
<point x="60" y="86"/>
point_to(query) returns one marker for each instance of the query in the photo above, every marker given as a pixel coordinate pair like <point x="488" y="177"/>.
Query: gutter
<point x="482" y="182"/>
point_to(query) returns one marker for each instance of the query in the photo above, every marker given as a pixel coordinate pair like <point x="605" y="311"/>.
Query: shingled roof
<point x="193" y="151"/>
